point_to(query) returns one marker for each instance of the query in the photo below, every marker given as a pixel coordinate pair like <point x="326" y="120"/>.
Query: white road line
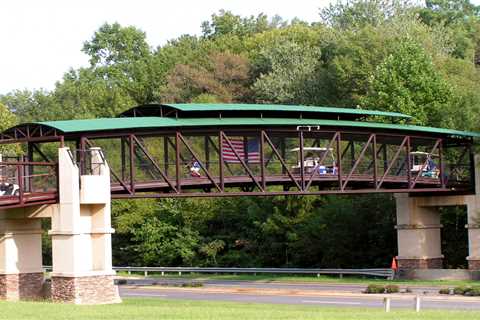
<point x="143" y="295"/>
<point x="330" y="302"/>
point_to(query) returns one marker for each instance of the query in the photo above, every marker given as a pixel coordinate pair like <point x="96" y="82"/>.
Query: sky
<point x="41" y="40"/>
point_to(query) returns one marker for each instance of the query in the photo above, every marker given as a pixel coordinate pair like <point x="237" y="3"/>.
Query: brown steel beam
<point x="156" y="166"/>
<point x="282" y="161"/>
<point x="425" y="163"/>
<point x="324" y="156"/>
<point x="359" y="159"/>
<point x="199" y="161"/>
<point x="252" y="176"/>
<point x="392" y="162"/>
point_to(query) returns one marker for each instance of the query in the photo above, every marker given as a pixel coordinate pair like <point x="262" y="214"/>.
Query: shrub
<point x="444" y="291"/>
<point x="461" y="290"/>
<point x="375" y="288"/>
<point x="474" y="291"/>
<point x="392" y="288"/>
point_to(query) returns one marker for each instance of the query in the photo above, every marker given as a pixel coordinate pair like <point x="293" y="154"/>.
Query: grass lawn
<point x="175" y="309"/>
<point x="306" y="278"/>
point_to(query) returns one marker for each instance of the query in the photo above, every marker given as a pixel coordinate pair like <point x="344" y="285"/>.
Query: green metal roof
<point x="106" y="124"/>
<point x="205" y="107"/>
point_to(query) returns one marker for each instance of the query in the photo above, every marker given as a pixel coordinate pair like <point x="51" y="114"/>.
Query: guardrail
<point x="384" y="273"/>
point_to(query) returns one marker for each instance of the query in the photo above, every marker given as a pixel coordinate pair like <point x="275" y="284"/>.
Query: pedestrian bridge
<point x="68" y="172"/>
<point x="211" y="150"/>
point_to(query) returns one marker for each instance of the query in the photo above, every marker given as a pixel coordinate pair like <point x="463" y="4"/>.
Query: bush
<point x="461" y="290"/>
<point x="444" y="291"/>
<point x="473" y="292"/>
<point x="392" y="288"/>
<point x="375" y="288"/>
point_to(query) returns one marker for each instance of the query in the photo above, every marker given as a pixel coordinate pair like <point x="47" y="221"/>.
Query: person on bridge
<point x="195" y="169"/>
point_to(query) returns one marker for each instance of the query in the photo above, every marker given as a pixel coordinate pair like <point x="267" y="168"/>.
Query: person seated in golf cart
<point x="423" y="161"/>
<point x="311" y="161"/>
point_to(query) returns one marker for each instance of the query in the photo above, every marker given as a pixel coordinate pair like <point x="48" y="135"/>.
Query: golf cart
<point x="312" y="158"/>
<point x="417" y="161"/>
<point x="6" y="188"/>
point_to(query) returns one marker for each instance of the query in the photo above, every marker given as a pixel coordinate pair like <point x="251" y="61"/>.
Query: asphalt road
<point x="305" y="298"/>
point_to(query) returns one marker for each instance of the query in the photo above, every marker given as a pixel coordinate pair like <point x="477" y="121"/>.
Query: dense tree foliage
<point x="382" y="54"/>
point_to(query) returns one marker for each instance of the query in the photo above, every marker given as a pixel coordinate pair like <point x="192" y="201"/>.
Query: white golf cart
<point x="312" y="158"/>
<point x="7" y="188"/>
<point x="418" y="160"/>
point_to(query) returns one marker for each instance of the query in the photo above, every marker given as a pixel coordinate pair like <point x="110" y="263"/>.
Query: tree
<point x="121" y="57"/>
<point x="291" y="69"/>
<point x="7" y="120"/>
<point x="225" y="77"/>
<point x="406" y="81"/>
<point x="226" y="23"/>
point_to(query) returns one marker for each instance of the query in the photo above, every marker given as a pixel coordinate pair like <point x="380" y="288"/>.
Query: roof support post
<point x="177" y="161"/>
<point x="339" y="162"/>
<point x="220" y="160"/>
<point x="374" y="151"/>
<point x="122" y="156"/>
<point x="262" y="160"/>
<point x="132" y="163"/>
<point x="409" y="164"/>
<point x="442" y="164"/>
<point x="302" y="159"/>
<point x="165" y="154"/>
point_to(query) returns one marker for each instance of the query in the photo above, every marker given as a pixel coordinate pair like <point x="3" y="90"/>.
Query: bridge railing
<point x="372" y="272"/>
<point x="22" y="182"/>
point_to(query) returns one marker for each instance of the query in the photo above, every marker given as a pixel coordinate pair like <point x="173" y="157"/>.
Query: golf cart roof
<point x="421" y="153"/>
<point x="312" y="149"/>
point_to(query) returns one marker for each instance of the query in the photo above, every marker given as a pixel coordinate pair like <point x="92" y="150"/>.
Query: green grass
<point x="175" y="309"/>
<point x="310" y="279"/>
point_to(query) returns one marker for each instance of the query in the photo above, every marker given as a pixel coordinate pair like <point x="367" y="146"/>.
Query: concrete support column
<point x="418" y="231"/>
<point x="81" y="235"/>
<point x="473" y="226"/>
<point x="21" y="272"/>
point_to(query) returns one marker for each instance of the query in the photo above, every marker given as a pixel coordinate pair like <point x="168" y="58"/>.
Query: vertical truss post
<point x="409" y="165"/>
<point x="352" y="153"/>
<point x="122" y="156"/>
<point x="20" y="183"/>
<point x="82" y="155"/>
<point x="472" y="168"/>
<point x="220" y="160"/>
<point x="177" y="160"/>
<point x="385" y="155"/>
<point x="132" y="163"/>
<point x="375" y="160"/>
<point x="207" y="152"/>
<point x="339" y="162"/>
<point x="29" y="169"/>
<point x="165" y="153"/>
<point x="442" y="164"/>
<point x="262" y="160"/>
<point x="302" y="159"/>
<point x="282" y="151"/>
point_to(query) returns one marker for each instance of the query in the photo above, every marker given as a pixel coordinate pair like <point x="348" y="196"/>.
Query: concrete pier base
<point x="98" y="289"/>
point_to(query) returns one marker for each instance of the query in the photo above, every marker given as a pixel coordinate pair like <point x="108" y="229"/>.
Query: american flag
<point x="251" y="146"/>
